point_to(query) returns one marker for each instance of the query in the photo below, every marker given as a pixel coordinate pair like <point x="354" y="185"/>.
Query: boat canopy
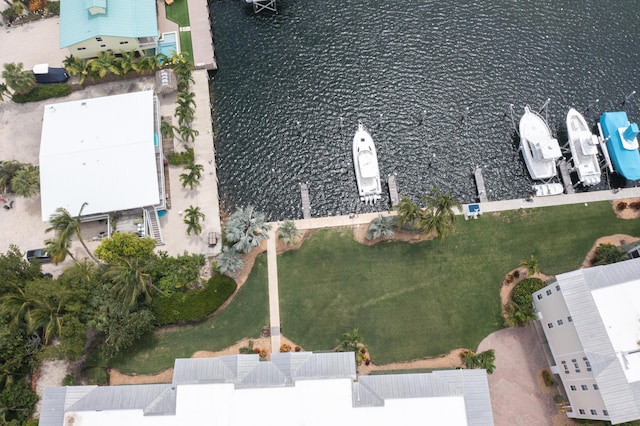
<point x="544" y="148"/>
<point x="588" y="143"/>
<point x="626" y="161"/>
<point x="628" y="136"/>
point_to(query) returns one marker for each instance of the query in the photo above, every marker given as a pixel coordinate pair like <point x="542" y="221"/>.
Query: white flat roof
<point x="619" y="308"/>
<point x="99" y="151"/>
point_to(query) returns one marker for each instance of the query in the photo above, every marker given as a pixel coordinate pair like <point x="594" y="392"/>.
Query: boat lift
<point x="260" y="5"/>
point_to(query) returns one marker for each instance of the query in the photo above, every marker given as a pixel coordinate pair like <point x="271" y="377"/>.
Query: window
<point x="539" y="297"/>
<point x="550" y="325"/>
<point x="584" y="387"/>
<point x="124" y="42"/>
<point x="566" y="367"/>
<point x="560" y="322"/>
<point x="548" y="292"/>
<point x="581" y="411"/>
<point x="605" y="412"/>
<point x="595" y="387"/>
<point x="82" y="48"/>
<point x="587" y="363"/>
<point x="573" y="388"/>
<point x="593" y="412"/>
<point x="575" y="365"/>
<point x="98" y="38"/>
<point x="557" y="287"/>
<point x="103" y="45"/>
<point x="569" y="318"/>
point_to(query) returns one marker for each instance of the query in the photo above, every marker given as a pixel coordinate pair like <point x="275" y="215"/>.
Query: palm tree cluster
<point x="288" y="232"/>
<point x="65" y="227"/>
<point x="381" y="226"/>
<point x="484" y="360"/>
<point x="192" y="218"/>
<point x="244" y="230"/>
<point x="19" y="178"/>
<point x="18" y="79"/>
<point x="193" y="175"/>
<point x="437" y="215"/>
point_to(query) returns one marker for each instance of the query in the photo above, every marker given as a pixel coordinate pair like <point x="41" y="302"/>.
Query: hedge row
<point x="40" y="93"/>
<point x="524" y="289"/>
<point x="193" y="305"/>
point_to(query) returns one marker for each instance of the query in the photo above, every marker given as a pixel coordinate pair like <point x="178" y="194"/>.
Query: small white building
<point x="104" y="152"/>
<point x="591" y="321"/>
<point x="301" y="388"/>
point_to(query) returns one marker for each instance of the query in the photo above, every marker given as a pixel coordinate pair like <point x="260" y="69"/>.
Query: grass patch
<point x="244" y="317"/>
<point x="178" y="12"/>
<point x="185" y="45"/>
<point x="415" y="300"/>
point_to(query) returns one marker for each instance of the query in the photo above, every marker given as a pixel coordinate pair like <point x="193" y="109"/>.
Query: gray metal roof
<point x="621" y="398"/>
<point x="152" y="399"/>
<point x="56" y="400"/>
<point x="472" y="385"/>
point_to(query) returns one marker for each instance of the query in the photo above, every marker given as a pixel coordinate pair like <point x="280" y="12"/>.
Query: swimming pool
<point x="167" y="44"/>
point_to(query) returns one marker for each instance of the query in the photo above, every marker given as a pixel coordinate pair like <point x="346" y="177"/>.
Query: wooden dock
<point x="393" y="190"/>
<point x="566" y="177"/>
<point x="482" y="192"/>
<point x="306" y="204"/>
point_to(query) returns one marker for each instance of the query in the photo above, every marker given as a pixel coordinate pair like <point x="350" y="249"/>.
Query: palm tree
<point x="484" y="360"/>
<point x="229" y="260"/>
<point x="19" y="80"/>
<point x="166" y="129"/>
<point x="192" y="218"/>
<point x="146" y="63"/>
<point x="288" y="232"/>
<point x="125" y="61"/>
<point x="246" y="229"/>
<point x="349" y="342"/>
<point x="130" y="281"/>
<point x="379" y="227"/>
<point x="518" y="315"/>
<point x="531" y="265"/>
<point x="408" y="211"/>
<point x="8" y="169"/>
<point x="184" y="114"/>
<point x="442" y="204"/>
<point x="188" y="134"/>
<point x="45" y="315"/>
<point x="441" y="224"/>
<point x="193" y="177"/>
<point x="66" y="226"/>
<point x="74" y="66"/>
<point x="58" y="249"/>
<point x="186" y="98"/>
<point x="26" y="181"/>
<point x="104" y="63"/>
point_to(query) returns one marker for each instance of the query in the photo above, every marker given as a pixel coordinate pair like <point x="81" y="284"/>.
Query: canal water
<point x="433" y="81"/>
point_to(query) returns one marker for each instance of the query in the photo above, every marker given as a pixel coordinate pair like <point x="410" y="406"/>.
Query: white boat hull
<point x="584" y="149"/>
<point x="365" y="161"/>
<point x="547" y="189"/>
<point x="539" y="149"/>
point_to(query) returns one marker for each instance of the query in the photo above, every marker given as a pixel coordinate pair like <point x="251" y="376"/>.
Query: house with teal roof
<point x="91" y="26"/>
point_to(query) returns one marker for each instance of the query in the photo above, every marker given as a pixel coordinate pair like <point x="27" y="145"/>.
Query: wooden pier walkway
<point x="306" y="204"/>
<point x="566" y="177"/>
<point x="482" y="191"/>
<point x="393" y="190"/>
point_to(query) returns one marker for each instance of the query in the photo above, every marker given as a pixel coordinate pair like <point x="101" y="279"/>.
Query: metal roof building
<point x="292" y="389"/>
<point x="81" y="20"/>
<point x="590" y="319"/>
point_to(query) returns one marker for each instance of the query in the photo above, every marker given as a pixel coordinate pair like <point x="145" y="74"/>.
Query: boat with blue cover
<point x="621" y="141"/>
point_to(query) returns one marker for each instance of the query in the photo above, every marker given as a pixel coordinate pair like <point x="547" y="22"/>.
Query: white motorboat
<point x="365" y="161"/>
<point x="584" y="149"/>
<point x="539" y="149"/>
<point x="547" y="189"/>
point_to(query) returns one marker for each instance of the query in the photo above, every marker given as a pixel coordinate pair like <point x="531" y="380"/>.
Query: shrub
<point x="263" y="354"/>
<point x="247" y="349"/>
<point x="635" y="205"/>
<point x="53" y="7"/>
<point x="123" y="244"/>
<point x="68" y="380"/>
<point x="546" y="376"/>
<point x="195" y="304"/>
<point x="180" y="158"/>
<point x="607" y="253"/>
<point x="297" y="349"/>
<point x="285" y="348"/>
<point x="97" y="376"/>
<point x="523" y="290"/>
<point x="40" y="93"/>
<point x="174" y="273"/>
<point x="621" y="205"/>
<point x="516" y="274"/>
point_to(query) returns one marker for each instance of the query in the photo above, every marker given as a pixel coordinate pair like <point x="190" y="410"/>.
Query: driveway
<point x="518" y="394"/>
<point x="32" y="43"/>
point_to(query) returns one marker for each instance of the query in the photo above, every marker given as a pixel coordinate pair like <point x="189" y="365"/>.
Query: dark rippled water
<point x="431" y="80"/>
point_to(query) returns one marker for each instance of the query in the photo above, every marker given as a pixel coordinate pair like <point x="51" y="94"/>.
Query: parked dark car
<point x="39" y="254"/>
<point x="46" y="75"/>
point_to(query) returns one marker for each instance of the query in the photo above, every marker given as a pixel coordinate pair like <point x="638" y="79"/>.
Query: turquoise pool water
<point x="167" y="45"/>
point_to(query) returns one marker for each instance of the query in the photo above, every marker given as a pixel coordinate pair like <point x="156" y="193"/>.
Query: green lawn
<point x="185" y="45"/>
<point x="245" y="317"/>
<point x="416" y="300"/>
<point x="178" y="12"/>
